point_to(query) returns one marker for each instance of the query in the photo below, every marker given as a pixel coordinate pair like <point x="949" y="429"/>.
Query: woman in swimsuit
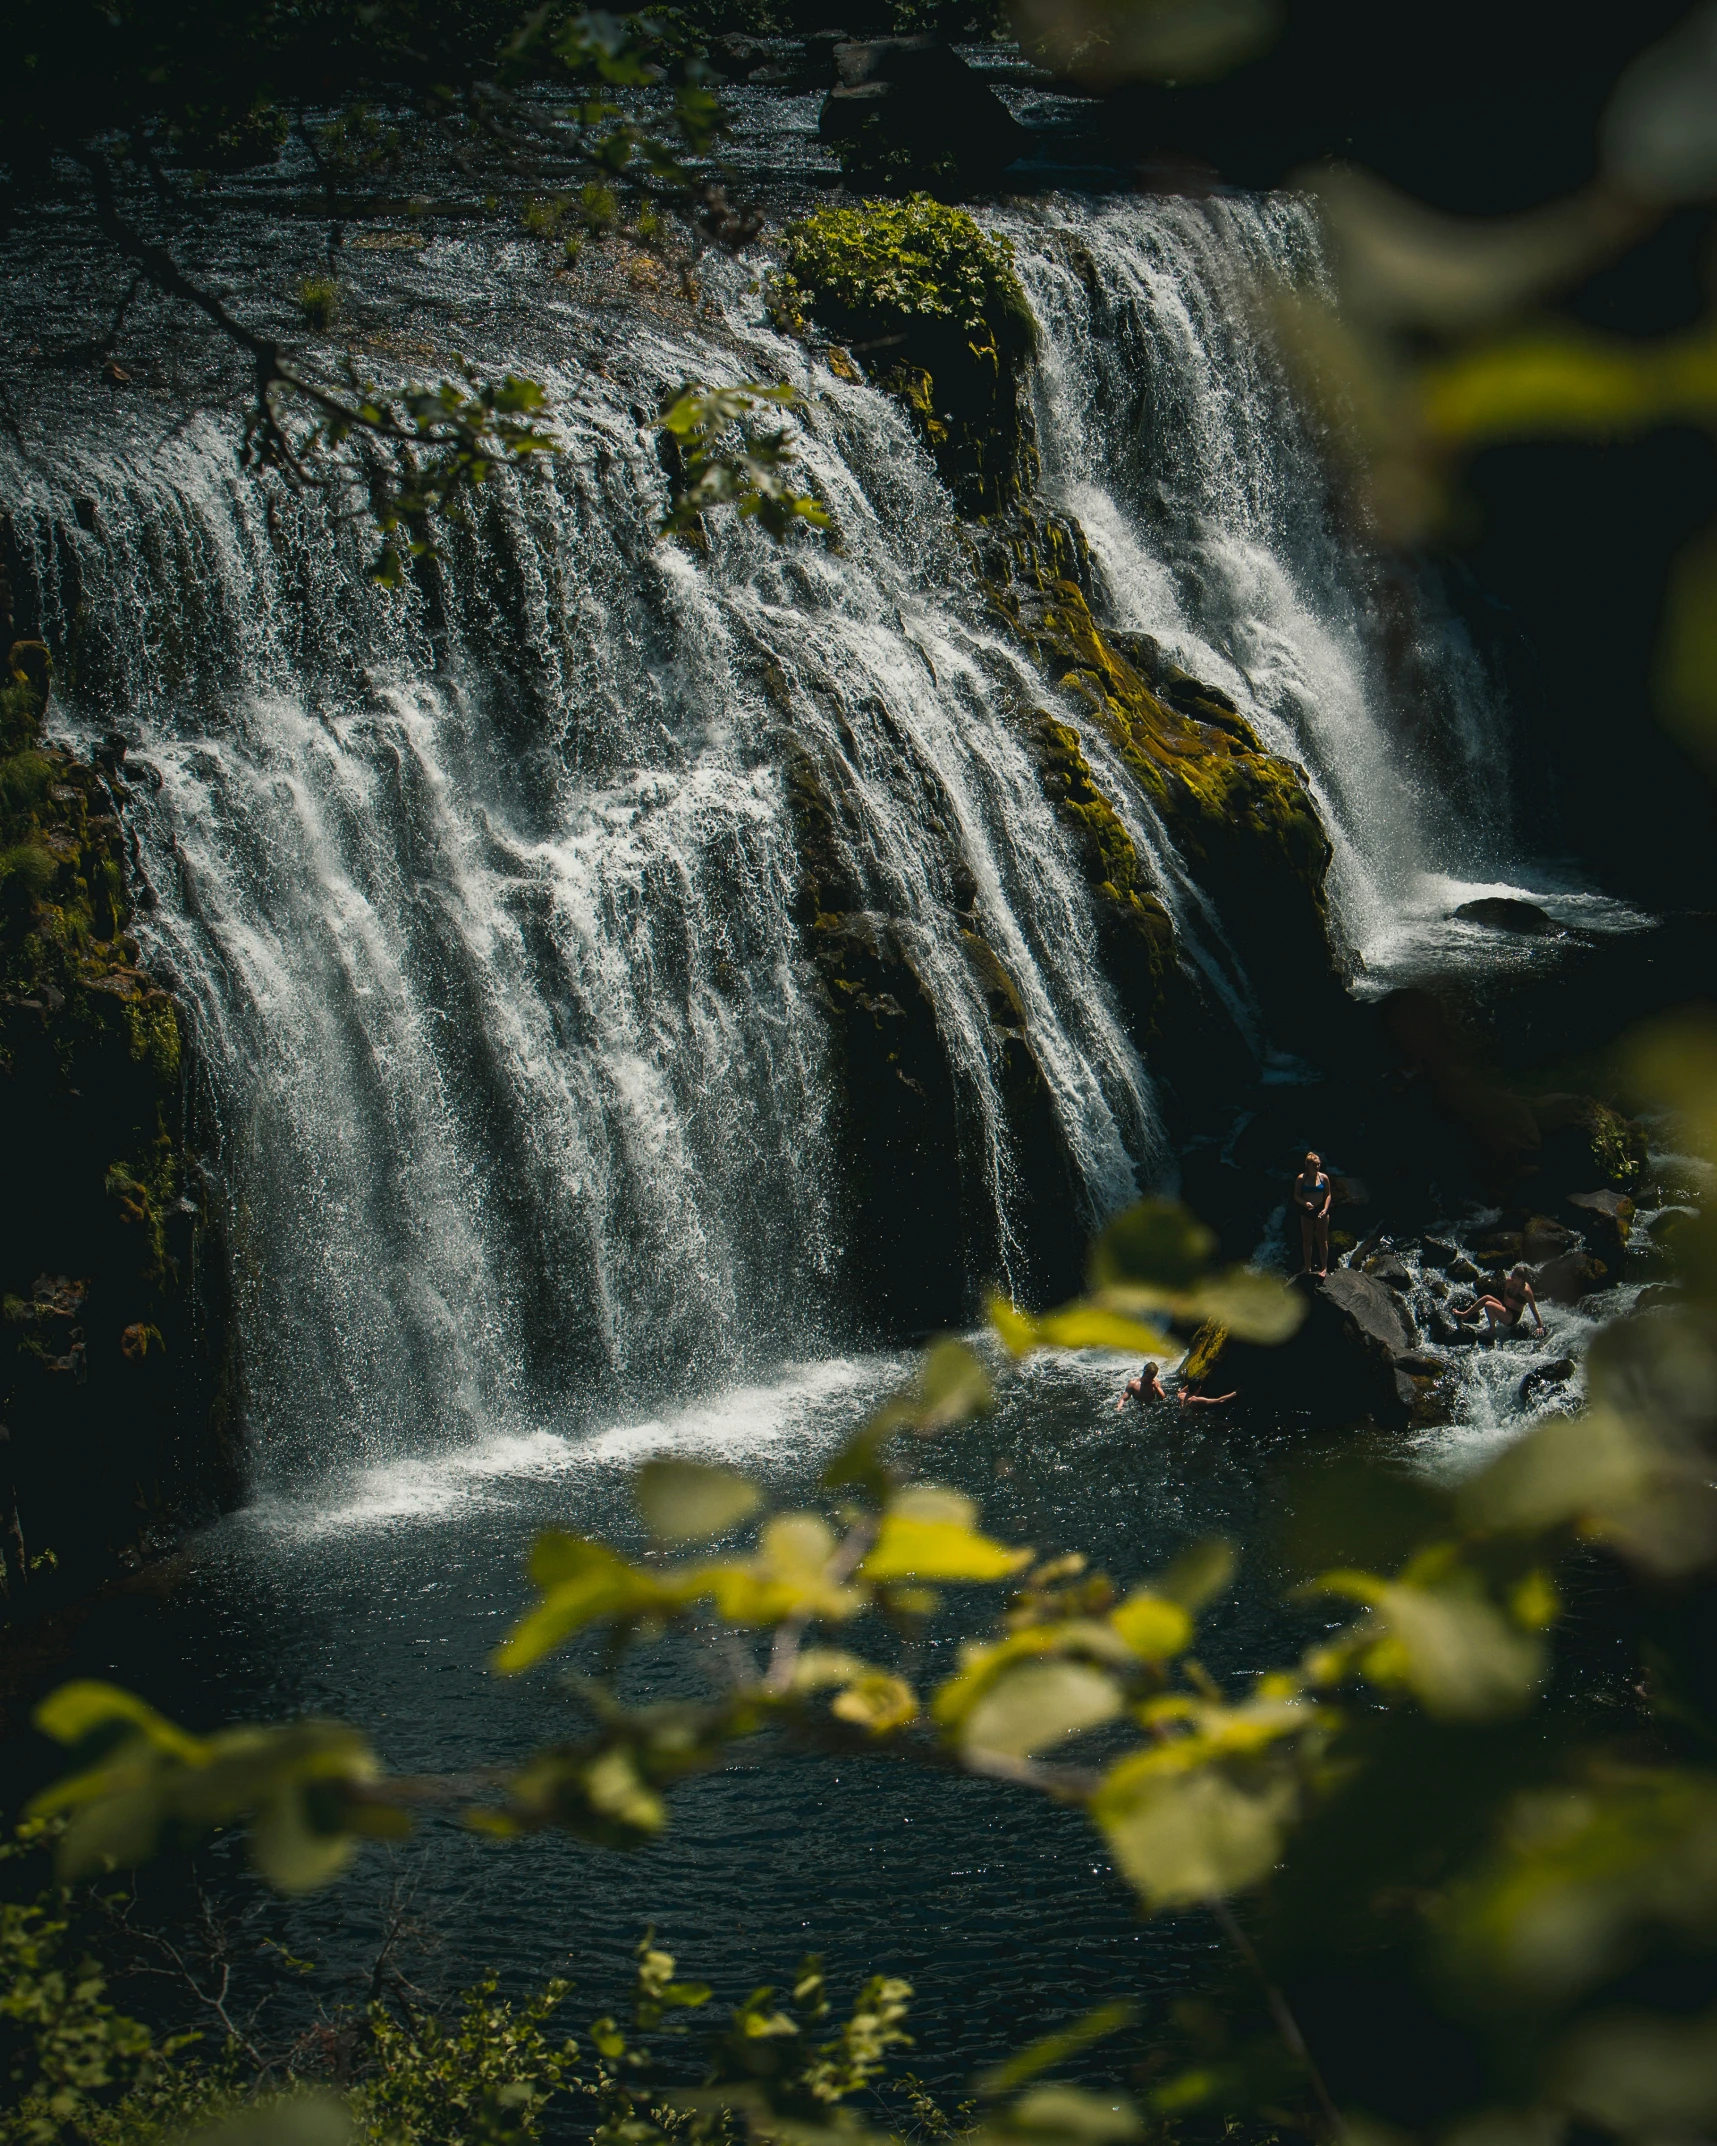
<point x="1312" y="1195"/>
<point x="1505" y="1313"/>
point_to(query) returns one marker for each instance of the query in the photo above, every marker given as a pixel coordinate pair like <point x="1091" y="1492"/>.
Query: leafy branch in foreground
<point x="1410" y="1808"/>
<point x="483" y="97"/>
<point x="752" y="475"/>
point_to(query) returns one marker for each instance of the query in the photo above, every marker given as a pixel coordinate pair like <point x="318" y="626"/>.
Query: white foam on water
<point x="797" y="1414"/>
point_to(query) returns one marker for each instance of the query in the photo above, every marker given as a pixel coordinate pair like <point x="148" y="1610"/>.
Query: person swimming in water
<point x="1145" y="1389"/>
<point x="1505" y="1313"/>
<point x="1313" y="1192"/>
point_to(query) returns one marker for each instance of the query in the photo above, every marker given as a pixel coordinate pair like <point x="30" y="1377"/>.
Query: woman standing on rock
<point x="1313" y="1192"/>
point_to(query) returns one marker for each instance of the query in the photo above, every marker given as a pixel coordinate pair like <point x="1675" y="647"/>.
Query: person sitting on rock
<point x="1505" y="1313"/>
<point x="1145" y="1389"/>
<point x="1313" y="1192"/>
<point x="1188" y="1399"/>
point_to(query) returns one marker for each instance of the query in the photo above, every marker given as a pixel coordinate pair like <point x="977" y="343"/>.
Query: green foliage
<point x="318" y="301"/>
<point x="916" y="258"/>
<point x="66" y="2048"/>
<point x="487" y="2073"/>
<point x="752" y="475"/>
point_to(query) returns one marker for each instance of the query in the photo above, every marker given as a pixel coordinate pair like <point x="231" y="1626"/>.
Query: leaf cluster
<point x="916" y="259"/>
<point x="725" y="460"/>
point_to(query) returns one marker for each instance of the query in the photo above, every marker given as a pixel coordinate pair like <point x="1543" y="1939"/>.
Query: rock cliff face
<point x="899" y="1142"/>
<point x="930" y="305"/>
<point x="110" y="1436"/>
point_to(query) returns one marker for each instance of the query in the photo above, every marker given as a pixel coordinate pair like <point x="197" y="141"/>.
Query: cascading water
<point x="484" y="897"/>
<point x="1169" y="427"/>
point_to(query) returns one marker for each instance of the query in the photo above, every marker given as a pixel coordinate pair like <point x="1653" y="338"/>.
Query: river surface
<point x="381" y="1600"/>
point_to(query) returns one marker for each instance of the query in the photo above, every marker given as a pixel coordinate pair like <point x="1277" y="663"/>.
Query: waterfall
<point x="1170" y="430"/>
<point x="482" y="894"/>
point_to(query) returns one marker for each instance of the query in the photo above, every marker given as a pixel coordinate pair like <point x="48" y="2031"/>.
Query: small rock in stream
<point x="1499" y="912"/>
<point x="1557" y="1373"/>
<point x="1438" y="1252"/>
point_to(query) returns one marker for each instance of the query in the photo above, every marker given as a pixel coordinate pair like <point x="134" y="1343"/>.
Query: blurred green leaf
<point x="1153" y="1244"/>
<point x="1104" y="42"/>
<point x="1152" y="1625"/>
<point x="1048" y="2050"/>
<point x="1180" y="1836"/>
<point x="688" y="1501"/>
<point x="1198" y="1575"/>
<point x="1462" y="1659"/>
<point x="1036" y="1704"/>
<point x="927" y="1535"/>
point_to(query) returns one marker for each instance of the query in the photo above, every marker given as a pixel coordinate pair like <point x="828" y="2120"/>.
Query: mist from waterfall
<point x="482" y="894"/>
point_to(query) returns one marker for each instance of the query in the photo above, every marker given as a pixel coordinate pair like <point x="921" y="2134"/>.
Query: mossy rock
<point x="921" y="289"/>
<point x="1242" y="819"/>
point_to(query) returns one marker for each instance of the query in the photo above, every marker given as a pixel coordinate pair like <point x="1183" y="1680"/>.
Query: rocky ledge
<point x="109" y="1439"/>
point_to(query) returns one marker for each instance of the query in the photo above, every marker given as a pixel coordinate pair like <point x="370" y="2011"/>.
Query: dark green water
<point x="382" y="1605"/>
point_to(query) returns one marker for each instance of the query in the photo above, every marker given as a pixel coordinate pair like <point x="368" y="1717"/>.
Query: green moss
<point x="1204" y="1354"/>
<point x="924" y="283"/>
<point x="918" y="259"/>
<point x="1242" y="819"/>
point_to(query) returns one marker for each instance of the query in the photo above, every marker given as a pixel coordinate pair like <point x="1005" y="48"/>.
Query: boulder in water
<point x="1569" y="1277"/>
<point x="908" y="112"/>
<point x="1605" y="1219"/>
<point x="1556" y="1373"/>
<point x="1501" y="912"/>
<point x="1659" y="1296"/>
<point x="1543" y="1239"/>
<point x="1369" y="1312"/>
<point x="1417" y="1365"/>
<point x="1391" y="1270"/>
<point x="1438" y="1252"/>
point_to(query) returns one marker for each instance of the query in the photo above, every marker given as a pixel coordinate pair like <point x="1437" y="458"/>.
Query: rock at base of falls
<point x="1348" y="1363"/>
<point x="1605" y="1218"/>
<point x="1499" y="912"/>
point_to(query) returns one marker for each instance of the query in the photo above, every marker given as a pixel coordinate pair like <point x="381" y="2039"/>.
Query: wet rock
<point x="1556" y="1373"/>
<point x="909" y="113"/>
<point x="1543" y="1239"/>
<point x="1498" y="912"/>
<point x="1606" y="1217"/>
<point x="1438" y="1252"/>
<point x="1391" y="1270"/>
<point x="1659" y="1296"/>
<point x="1338" y="1368"/>
<point x="1371" y="1315"/>
<point x="1569" y="1277"/>
<point x="1448" y="1330"/>
<point x="1462" y="1269"/>
<point x="954" y="361"/>
<point x="1418" y="1366"/>
<point x="1584" y="1142"/>
<point x="1243" y="821"/>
